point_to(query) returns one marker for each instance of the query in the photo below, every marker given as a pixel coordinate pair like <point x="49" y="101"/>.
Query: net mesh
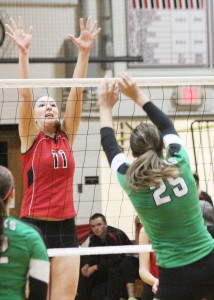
<point x="188" y="102"/>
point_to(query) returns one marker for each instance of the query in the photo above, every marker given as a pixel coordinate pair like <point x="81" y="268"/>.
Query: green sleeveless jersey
<point x="23" y="251"/>
<point x="172" y="217"/>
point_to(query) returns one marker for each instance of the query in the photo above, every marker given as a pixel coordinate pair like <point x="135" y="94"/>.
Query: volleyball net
<point x="188" y="101"/>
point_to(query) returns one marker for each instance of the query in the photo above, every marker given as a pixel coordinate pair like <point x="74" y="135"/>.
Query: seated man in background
<point x="107" y="275"/>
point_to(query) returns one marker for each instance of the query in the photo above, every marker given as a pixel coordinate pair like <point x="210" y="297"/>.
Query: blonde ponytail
<point x="149" y="167"/>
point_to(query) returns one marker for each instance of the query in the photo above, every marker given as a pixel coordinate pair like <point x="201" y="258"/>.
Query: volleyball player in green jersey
<point x="164" y="195"/>
<point x="23" y="254"/>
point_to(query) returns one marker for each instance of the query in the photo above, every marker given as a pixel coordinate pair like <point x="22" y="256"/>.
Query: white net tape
<point x="99" y="250"/>
<point x="95" y="82"/>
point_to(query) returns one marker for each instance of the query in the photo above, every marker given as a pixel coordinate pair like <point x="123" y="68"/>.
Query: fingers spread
<point x="82" y="27"/>
<point x="97" y="32"/>
<point x="94" y="28"/>
<point x="112" y="87"/>
<point x="125" y="76"/>
<point x="20" y="23"/>
<point x="9" y="29"/>
<point x="30" y="31"/>
<point x="88" y="23"/>
<point x="13" y="24"/>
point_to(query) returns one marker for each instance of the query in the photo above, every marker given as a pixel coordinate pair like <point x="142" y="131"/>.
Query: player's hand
<point x="84" y="270"/>
<point x="17" y="34"/>
<point x="129" y="87"/>
<point x="155" y="286"/>
<point x="91" y="270"/>
<point x="87" y="36"/>
<point x="108" y="94"/>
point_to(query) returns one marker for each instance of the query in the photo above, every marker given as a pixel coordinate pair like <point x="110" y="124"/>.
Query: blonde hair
<point x="149" y="168"/>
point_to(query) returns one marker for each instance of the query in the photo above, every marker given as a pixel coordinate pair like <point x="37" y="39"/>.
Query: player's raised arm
<point x="84" y="43"/>
<point x="27" y="127"/>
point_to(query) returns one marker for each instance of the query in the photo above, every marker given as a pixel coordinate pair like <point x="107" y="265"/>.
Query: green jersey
<point x="23" y="253"/>
<point x="171" y="215"/>
<point x="170" y="212"/>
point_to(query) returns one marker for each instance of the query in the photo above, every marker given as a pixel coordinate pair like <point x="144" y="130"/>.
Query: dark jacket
<point x="114" y="237"/>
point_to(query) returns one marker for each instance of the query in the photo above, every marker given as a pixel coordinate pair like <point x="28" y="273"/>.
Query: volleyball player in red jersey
<point x="148" y="270"/>
<point x="47" y="158"/>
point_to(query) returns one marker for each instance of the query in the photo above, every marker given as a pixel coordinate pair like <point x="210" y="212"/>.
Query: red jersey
<point x="153" y="266"/>
<point x="48" y="168"/>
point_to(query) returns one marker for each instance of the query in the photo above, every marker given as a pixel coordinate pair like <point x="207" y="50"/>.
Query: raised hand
<point x="18" y="35"/>
<point x="108" y="95"/>
<point x="87" y="35"/>
<point x="129" y="87"/>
